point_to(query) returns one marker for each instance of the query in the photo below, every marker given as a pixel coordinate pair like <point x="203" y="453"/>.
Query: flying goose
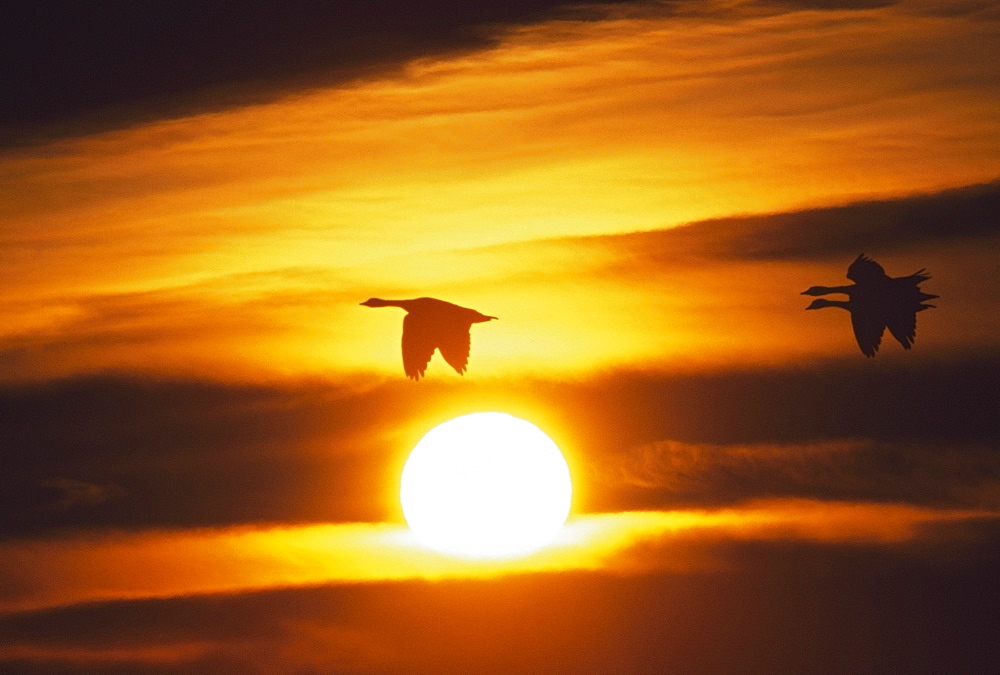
<point x="877" y="301"/>
<point x="432" y="324"/>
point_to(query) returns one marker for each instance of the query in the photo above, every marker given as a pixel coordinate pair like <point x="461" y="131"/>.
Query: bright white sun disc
<point x="485" y="485"/>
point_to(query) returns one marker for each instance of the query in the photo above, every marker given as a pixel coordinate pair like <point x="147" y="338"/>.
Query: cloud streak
<point x="966" y="214"/>
<point x="132" y="64"/>
<point x="169" y="454"/>
<point x="103" y="567"/>
<point x="671" y="472"/>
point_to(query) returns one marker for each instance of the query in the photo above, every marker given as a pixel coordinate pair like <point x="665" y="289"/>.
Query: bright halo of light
<point x="485" y="485"/>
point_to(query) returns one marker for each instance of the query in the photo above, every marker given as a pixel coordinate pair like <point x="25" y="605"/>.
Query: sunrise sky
<point x="203" y="431"/>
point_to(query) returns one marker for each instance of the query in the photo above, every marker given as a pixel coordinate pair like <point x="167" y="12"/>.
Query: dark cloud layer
<point x="927" y="432"/>
<point x="782" y="608"/>
<point x="674" y="474"/>
<point x="882" y="225"/>
<point x="136" y="453"/>
<point x="183" y="453"/>
<point x="129" y="61"/>
<point x="72" y="67"/>
<point x="932" y="402"/>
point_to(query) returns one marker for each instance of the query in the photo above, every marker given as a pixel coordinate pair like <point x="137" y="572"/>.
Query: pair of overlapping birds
<point x="875" y="301"/>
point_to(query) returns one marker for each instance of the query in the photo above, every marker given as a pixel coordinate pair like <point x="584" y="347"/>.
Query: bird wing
<point x="868" y="329"/>
<point x="418" y="345"/>
<point x="904" y="301"/>
<point x="864" y="270"/>
<point x="903" y="326"/>
<point x="453" y="343"/>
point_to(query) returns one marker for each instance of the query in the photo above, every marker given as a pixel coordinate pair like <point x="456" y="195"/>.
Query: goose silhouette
<point x="432" y="324"/>
<point x="877" y="301"/>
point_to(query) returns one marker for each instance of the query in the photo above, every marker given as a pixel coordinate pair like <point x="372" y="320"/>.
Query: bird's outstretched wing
<point x="868" y="329"/>
<point x="904" y="300"/>
<point x="903" y="326"/>
<point x="418" y="345"/>
<point x="453" y="343"/>
<point x="865" y="270"/>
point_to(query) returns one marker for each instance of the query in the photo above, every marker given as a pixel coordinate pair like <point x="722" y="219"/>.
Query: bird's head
<point x="820" y="303"/>
<point x="815" y="290"/>
<point x="374" y="302"/>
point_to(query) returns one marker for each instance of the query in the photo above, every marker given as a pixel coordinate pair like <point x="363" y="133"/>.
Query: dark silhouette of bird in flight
<point x="877" y="301"/>
<point x="432" y="324"/>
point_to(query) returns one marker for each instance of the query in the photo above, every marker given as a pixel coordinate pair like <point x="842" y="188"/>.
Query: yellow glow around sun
<point x="485" y="485"/>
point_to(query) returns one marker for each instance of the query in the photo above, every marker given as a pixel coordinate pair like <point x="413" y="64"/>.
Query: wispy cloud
<point x="967" y="214"/>
<point x="97" y="567"/>
<point x="151" y="62"/>
<point x="72" y="493"/>
<point x="671" y="472"/>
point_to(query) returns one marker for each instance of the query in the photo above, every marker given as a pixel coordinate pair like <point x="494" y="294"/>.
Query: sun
<point x="485" y="485"/>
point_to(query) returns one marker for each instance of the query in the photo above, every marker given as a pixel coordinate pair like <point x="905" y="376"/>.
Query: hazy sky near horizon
<point x="198" y="416"/>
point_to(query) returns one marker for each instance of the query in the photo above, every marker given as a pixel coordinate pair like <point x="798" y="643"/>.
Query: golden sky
<point x="238" y="243"/>
<point x="194" y="562"/>
<point x="196" y="413"/>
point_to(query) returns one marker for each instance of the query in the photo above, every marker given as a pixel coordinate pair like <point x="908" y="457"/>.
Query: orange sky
<point x="118" y="566"/>
<point x="198" y="415"/>
<point x="238" y="243"/>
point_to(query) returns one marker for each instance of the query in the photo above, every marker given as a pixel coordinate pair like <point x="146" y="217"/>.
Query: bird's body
<point x="432" y="324"/>
<point x="877" y="301"/>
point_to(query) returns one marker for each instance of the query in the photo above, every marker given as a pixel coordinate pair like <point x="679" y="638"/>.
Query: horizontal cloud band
<point x="102" y="567"/>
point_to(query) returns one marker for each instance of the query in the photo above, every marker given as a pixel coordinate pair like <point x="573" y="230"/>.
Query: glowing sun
<point x="485" y="485"/>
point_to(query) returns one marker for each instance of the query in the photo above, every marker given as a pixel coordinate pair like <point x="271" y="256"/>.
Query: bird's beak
<point x="804" y="293"/>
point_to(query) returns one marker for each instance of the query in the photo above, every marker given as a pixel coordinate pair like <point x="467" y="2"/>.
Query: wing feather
<point x="418" y="345"/>
<point x="865" y="270"/>
<point x="454" y="343"/>
<point x="868" y="329"/>
<point x="903" y="326"/>
<point x="903" y="302"/>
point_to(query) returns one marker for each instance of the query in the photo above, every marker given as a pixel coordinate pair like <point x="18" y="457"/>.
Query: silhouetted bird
<point x="876" y="302"/>
<point x="432" y="324"/>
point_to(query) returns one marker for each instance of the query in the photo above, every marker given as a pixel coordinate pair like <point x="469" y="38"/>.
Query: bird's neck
<point x="379" y="302"/>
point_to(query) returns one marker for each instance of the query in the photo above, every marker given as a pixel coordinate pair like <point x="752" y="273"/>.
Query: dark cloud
<point x="927" y="431"/>
<point x="183" y="453"/>
<point x="933" y="402"/>
<point x="838" y="4"/>
<point x="984" y="9"/>
<point x="111" y="62"/>
<point x="783" y="608"/>
<point x="73" y="493"/>
<point x="669" y="474"/>
<point x="77" y="67"/>
<point x="195" y="453"/>
<point x="962" y="214"/>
